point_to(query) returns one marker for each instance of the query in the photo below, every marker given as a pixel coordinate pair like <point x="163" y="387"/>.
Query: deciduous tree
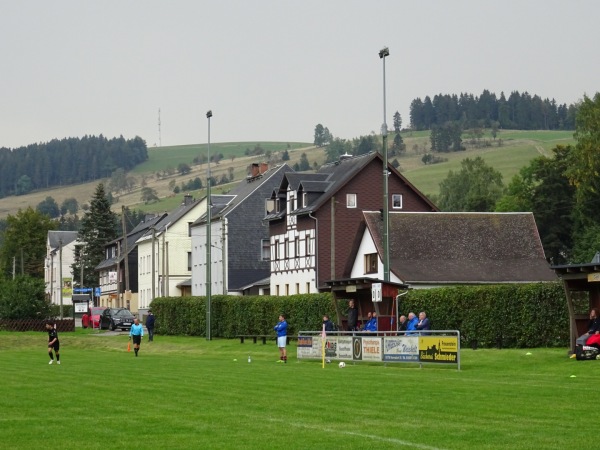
<point x="48" y="207"/>
<point x="24" y="242"/>
<point x="476" y="187"/>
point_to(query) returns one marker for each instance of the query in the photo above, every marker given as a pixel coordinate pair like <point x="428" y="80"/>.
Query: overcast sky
<point x="270" y="70"/>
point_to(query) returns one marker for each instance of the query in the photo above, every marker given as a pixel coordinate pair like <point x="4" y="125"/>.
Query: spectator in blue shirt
<point x="412" y="323"/>
<point x="371" y="325"/>
<point x="281" y="329"/>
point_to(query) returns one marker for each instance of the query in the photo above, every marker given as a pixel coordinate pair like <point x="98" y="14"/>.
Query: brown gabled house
<point x="316" y="219"/>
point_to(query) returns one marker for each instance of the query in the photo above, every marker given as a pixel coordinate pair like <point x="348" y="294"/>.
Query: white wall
<point x="52" y="272"/>
<point x="218" y="239"/>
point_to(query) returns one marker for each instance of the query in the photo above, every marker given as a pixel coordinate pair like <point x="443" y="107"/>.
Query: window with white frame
<point x="397" y="201"/>
<point x="265" y="249"/>
<point x="189" y="260"/>
<point x="351" y="200"/>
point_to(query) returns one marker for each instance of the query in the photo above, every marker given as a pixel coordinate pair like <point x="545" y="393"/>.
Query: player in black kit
<point x="53" y="343"/>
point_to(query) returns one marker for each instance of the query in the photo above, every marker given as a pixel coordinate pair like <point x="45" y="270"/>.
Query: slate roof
<point x="462" y="248"/>
<point x="56" y="237"/>
<point x="135" y="234"/>
<point x="241" y="191"/>
<point x="329" y="179"/>
<point x="175" y="215"/>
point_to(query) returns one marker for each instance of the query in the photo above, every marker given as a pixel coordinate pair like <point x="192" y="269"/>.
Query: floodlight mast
<point x="208" y="239"/>
<point x="383" y="53"/>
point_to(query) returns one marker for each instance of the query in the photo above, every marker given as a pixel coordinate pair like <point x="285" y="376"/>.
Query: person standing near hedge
<point x="53" y="343"/>
<point x="281" y="329"/>
<point x="150" y="325"/>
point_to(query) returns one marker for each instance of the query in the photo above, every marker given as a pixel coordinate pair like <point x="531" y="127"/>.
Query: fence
<point x="36" y="325"/>
<point x="421" y="347"/>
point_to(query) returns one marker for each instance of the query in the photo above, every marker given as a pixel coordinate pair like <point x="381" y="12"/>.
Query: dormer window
<point x="271" y="205"/>
<point x="304" y="200"/>
<point x="351" y="200"/>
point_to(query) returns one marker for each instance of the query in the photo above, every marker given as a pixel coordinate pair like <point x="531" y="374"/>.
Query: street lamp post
<point x="208" y="243"/>
<point x="386" y="209"/>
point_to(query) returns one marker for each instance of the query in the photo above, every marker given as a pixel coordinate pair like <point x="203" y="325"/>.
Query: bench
<point x="262" y="337"/>
<point x="254" y="337"/>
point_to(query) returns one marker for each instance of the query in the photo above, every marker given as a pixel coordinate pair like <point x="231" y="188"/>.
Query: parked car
<point x="113" y="318"/>
<point x="94" y="316"/>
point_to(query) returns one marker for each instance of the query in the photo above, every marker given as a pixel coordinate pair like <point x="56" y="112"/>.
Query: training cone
<point x="128" y="346"/>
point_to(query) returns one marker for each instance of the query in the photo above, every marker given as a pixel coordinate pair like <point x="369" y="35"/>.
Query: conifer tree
<point x="98" y="227"/>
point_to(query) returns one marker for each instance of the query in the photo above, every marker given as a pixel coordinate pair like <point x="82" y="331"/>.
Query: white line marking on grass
<point x="362" y="435"/>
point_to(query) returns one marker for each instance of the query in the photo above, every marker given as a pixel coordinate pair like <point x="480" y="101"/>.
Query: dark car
<point x="113" y="318"/>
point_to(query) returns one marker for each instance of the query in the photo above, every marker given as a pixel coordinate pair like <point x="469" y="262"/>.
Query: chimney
<point x="254" y="170"/>
<point x="187" y="199"/>
<point x="257" y="169"/>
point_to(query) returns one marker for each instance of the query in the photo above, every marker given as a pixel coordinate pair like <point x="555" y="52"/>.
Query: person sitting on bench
<point x="371" y="324"/>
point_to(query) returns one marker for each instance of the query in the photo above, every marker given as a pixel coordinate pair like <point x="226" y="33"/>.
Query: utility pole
<point x="166" y="273"/>
<point x="60" y="283"/>
<point x="153" y="265"/>
<point x="118" y="275"/>
<point x="162" y="284"/>
<point x="386" y="209"/>
<point x="125" y="255"/>
<point x="81" y="266"/>
<point x="208" y="243"/>
<point x="51" y="277"/>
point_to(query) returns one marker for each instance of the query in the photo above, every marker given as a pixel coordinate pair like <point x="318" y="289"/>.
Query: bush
<point x="235" y="315"/>
<point x="55" y="310"/>
<point x="516" y="316"/>
<point x="23" y="298"/>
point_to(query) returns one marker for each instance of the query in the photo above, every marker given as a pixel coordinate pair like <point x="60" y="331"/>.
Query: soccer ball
<point x="342" y="364"/>
<point x="328" y="361"/>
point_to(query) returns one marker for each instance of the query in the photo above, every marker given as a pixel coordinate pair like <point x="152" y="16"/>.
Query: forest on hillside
<point x="66" y="161"/>
<point x="521" y="111"/>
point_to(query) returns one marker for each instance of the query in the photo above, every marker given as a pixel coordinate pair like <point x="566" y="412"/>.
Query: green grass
<point x="518" y="149"/>
<point x="186" y="392"/>
<point x="160" y="158"/>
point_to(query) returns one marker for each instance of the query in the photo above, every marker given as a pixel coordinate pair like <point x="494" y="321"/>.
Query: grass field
<point x="185" y="392"/>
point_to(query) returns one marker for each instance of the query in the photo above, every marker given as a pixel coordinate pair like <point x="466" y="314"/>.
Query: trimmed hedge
<point x="55" y="310"/>
<point x="236" y="315"/>
<point x="514" y="316"/>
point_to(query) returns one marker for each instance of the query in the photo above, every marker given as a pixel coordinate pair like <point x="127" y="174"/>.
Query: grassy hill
<point x="517" y="149"/>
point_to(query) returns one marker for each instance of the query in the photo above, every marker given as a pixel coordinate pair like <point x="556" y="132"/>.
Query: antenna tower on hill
<point x="159" y="135"/>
